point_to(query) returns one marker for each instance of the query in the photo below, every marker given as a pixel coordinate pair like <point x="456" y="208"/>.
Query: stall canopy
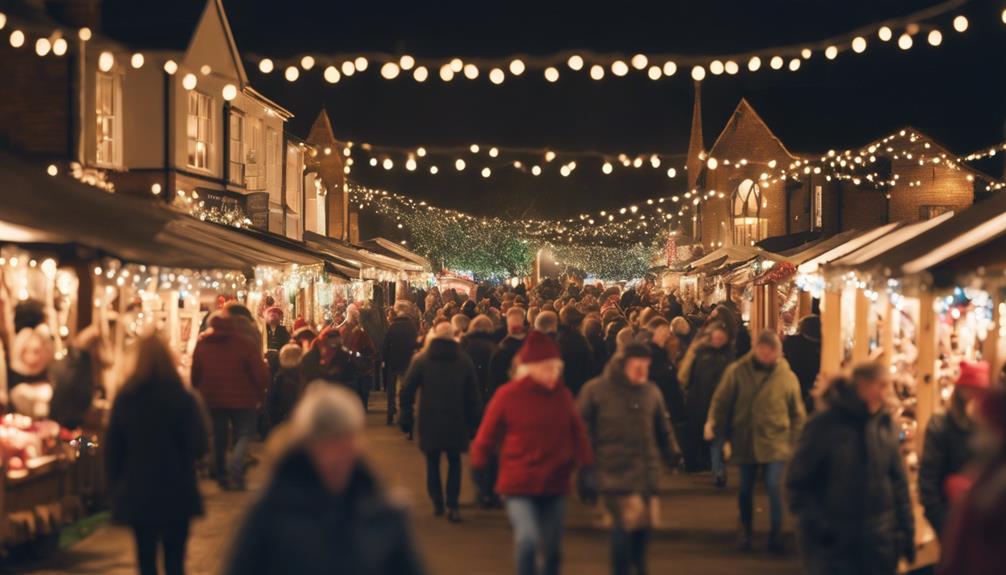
<point x="390" y="248"/>
<point x="361" y="258"/>
<point x="725" y="256"/>
<point x="865" y="258"/>
<point x="811" y="266"/>
<point x="67" y="215"/>
<point x="976" y="226"/>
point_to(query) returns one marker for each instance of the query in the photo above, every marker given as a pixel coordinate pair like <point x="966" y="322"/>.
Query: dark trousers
<point x="628" y="551"/>
<point x="773" y="481"/>
<point x="242" y="424"/>
<point x="171" y="538"/>
<point x="391" y="387"/>
<point x="364" y="384"/>
<point x="435" y="487"/>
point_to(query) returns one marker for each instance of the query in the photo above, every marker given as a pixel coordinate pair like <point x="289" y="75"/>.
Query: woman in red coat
<point x="532" y="427"/>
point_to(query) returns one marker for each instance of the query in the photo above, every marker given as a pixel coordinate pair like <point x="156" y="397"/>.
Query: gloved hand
<point x="587" y="485"/>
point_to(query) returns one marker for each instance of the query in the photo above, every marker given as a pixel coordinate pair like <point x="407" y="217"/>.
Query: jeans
<point x="773" y="481"/>
<point x="537" y="529"/>
<point x="171" y="538"/>
<point x="241" y="423"/>
<point x="716" y="458"/>
<point x="435" y="487"/>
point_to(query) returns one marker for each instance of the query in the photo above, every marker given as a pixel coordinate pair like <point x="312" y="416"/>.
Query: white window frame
<point x="274" y="172"/>
<point x="199" y="132"/>
<point x="817" y="208"/>
<point x="236" y="144"/>
<point x="748" y="225"/>
<point x="254" y="161"/>
<point x="108" y="119"/>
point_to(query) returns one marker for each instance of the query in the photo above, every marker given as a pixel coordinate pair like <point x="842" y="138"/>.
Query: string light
<point x="575" y="62"/>
<point x="136" y="61"/>
<point x="230" y="92"/>
<point x="42" y="46"/>
<point x="961" y="23"/>
<point x="170" y="67"/>
<point x="776" y="63"/>
<point x="17" y="38"/>
<point x="106" y="61"/>
<point x="698" y="73"/>
<point x="331" y="74"/>
<point x="885" y="34"/>
<point x="265" y="65"/>
<point x="189" y="81"/>
<point x="831" y="52"/>
<point x="84" y="34"/>
<point x="596" y="72"/>
<point x="291" y="73"/>
<point x="859" y="44"/>
<point x="420" y="74"/>
<point x="59" y="46"/>
<point x="935" y="38"/>
<point x="389" y="71"/>
<point x="496" y="76"/>
<point x="905" y="41"/>
<point x="307" y="62"/>
<point x="551" y="74"/>
<point x="517" y="67"/>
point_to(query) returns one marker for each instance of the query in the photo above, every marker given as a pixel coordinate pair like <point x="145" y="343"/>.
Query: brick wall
<point x="35" y="102"/>
<point x="938" y="186"/>
<point x="862" y="208"/>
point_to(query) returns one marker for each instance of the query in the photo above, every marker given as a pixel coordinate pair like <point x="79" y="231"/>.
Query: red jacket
<point x="228" y="369"/>
<point x="538" y="436"/>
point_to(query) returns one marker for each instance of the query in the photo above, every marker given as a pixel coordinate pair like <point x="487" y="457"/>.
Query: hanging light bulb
<point x="731" y="67"/>
<point x="698" y="73"/>
<point x="406" y="62"/>
<point x="716" y="67"/>
<point x="671" y="172"/>
<point x="42" y="46"/>
<point x="831" y="52"/>
<point x="754" y="63"/>
<point x="575" y="62"/>
<point x="136" y="61"/>
<point x="517" y="67"/>
<point x="486" y="172"/>
<point x="596" y="72"/>
<point x="170" y="67"/>
<point x="961" y="23"/>
<point x="332" y="74"/>
<point x="189" y="81"/>
<point x="420" y="74"/>
<point x="360" y="63"/>
<point x="535" y="170"/>
<point x="205" y="69"/>
<point x="493" y="152"/>
<point x="858" y="44"/>
<point x="307" y="62"/>
<point x="389" y="71"/>
<point x="388" y="164"/>
<point x="291" y="74"/>
<point x="794" y="64"/>
<point x="496" y="76"/>
<point x="84" y="34"/>
<point x="619" y="68"/>
<point x="712" y="163"/>
<point x="421" y="152"/>
<point x="551" y="74"/>
<point x="639" y="61"/>
<point x="607" y="168"/>
<point x="434" y="170"/>
<point x="265" y="66"/>
<point x="471" y="71"/>
<point x="59" y="46"/>
<point x="230" y="92"/>
<point x="446" y="74"/>
<point x="549" y="156"/>
<point x="935" y="38"/>
<point x="474" y="148"/>
<point x="106" y="61"/>
<point x="776" y="62"/>
<point x="654" y="73"/>
<point x="3" y="20"/>
<point x="348" y="68"/>
<point x="670" y="68"/>
<point x="806" y="53"/>
<point x="905" y="42"/>
<point x="459" y="164"/>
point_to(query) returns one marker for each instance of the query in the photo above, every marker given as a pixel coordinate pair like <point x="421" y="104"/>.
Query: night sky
<point x="956" y="93"/>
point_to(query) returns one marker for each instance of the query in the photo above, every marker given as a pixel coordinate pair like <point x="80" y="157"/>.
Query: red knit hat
<point x="537" y="347"/>
<point x="299" y="323"/>
<point x="974" y="375"/>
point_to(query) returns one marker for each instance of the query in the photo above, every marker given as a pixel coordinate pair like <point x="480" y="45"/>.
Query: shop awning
<point x="361" y="258"/>
<point x="59" y="211"/>
<point x="250" y="250"/>
<point x="866" y="258"/>
<point x="975" y="226"/>
<point x="811" y="266"/>
<point x="390" y="248"/>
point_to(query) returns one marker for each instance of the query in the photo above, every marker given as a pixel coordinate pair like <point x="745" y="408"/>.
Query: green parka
<point x="761" y="412"/>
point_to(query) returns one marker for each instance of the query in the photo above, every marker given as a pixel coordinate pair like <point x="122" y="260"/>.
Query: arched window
<point x="749" y="226"/>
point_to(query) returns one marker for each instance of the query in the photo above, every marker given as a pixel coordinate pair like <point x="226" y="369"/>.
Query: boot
<point x="744" y="537"/>
<point x="453" y="515"/>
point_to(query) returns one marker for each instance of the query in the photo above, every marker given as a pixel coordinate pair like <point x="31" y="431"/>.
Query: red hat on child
<point x="537" y="347"/>
<point x="974" y="375"/>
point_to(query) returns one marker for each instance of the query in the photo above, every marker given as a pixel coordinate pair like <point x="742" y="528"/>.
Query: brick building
<point x="751" y="186"/>
<point x="172" y="118"/>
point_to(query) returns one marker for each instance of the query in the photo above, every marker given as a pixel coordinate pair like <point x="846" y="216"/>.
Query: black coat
<point x="300" y="527"/>
<point x="276" y="338"/>
<point x="947" y="450"/>
<point x="577" y="359"/>
<point x="599" y="349"/>
<point x="848" y="487"/>
<point x="502" y="360"/>
<point x="704" y="377"/>
<point x="665" y="376"/>
<point x="341" y="369"/>
<point x="804" y="357"/>
<point x="283" y="395"/>
<point x="399" y="344"/>
<point x="480" y="347"/>
<point x="449" y="401"/>
<point x="156" y="434"/>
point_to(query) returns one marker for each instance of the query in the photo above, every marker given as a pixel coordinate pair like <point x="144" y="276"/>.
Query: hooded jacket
<point x="848" y="487"/>
<point x="577" y="358"/>
<point x="449" y="402"/>
<point x="947" y="450"/>
<point x="760" y="412"/>
<point x="480" y="347"/>
<point x="537" y="436"/>
<point x="502" y="361"/>
<point x="628" y="429"/>
<point x="227" y="367"/>
<point x="300" y="527"/>
<point x="399" y="343"/>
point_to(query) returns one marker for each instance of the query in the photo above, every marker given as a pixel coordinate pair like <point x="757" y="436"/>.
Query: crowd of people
<point x="549" y="389"/>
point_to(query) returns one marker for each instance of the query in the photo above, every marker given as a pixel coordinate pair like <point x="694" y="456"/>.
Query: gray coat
<point x="629" y="431"/>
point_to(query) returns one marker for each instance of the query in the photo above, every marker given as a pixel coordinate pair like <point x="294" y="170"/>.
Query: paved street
<point x="696" y="539"/>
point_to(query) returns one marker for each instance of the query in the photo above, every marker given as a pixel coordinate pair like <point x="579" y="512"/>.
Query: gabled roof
<point x="744" y="108"/>
<point x="213" y="14"/>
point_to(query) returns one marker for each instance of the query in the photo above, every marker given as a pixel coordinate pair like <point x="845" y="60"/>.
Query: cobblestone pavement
<point x="696" y="537"/>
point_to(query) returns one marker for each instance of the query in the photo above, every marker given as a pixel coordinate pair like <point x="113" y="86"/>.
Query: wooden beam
<point x="990" y="350"/>
<point x="887" y="332"/>
<point x="831" y="333"/>
<point x="861" y="330"/>
<point x="772" y="305"/>
<point x="927" y="388"/>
